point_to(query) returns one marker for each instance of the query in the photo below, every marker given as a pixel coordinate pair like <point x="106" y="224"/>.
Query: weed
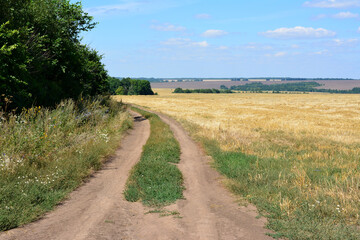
<point x="110" y="221"/>
<point x="165" y="213"/>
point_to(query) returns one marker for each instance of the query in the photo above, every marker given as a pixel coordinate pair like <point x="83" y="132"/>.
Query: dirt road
<point x="98" y="210"/>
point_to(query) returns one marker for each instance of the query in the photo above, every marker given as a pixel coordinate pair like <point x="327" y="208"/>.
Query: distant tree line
<point x="291" y="87"/>
<point x="41" y="57"/>
<point x="128" y="86"/>
<point x="180" y="90"/>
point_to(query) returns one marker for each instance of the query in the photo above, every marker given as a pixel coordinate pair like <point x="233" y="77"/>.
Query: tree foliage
<point x="128" y="86"/>
<point x="180" y="90"/>
<point x="41" y="57"/>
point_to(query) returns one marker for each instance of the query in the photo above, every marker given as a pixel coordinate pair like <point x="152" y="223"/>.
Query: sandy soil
<point x="98" y="210"/>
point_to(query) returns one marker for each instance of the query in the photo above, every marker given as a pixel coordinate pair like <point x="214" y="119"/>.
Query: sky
<point x="228" y="38"/>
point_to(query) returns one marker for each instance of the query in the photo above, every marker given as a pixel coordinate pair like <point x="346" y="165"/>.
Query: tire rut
<point x="98" y="210"/>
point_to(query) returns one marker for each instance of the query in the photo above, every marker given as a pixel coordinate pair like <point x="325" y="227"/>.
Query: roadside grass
<point x="155" y="180"/>
<point x="281" y="192"/>
<point x="45" y="154"/>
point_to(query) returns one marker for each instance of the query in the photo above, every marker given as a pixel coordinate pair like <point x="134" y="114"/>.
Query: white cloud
<point x="203" y="16"/>
<point x="200" y="44"/>
<point x="257" y="46"/>
<point x="214" y="33"/>
<point x="340" y="15"/>
<point x="223" y="48"/>
<point x="279" y="54"/>
<point x="168" y="28"/>
<point x="333" y="3"/>
<point x="133" y="7"/>
<point x="343" y="15"/>
<point x="298" y="32"/>
<point x="251" y="46"/>
<point x="110" y="9"/>
<point x="359" y="29"/>
<point x="321" y="16"/>
<point x="322" y="52"/>
<point x="184" y="42"/>
<point x="345" y="42"/>
<point x="177" y="41"/>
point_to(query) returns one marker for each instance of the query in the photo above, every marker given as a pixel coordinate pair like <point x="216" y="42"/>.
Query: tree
<point x="42" y="59"/>
<point x="128" y="86"/>
<point x="114" y="84"/>
<point x="178" y="90"/>
<point x="120" y="91"/>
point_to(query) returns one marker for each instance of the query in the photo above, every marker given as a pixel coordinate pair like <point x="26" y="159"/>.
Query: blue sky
<point x="228" y="38"/>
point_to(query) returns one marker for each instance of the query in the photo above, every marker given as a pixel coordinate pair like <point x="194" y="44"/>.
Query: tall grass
<point x="45" y="153"/>
<point x="155" y="180"/>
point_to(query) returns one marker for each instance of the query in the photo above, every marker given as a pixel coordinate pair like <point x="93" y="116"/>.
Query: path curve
<point x="98" y="210"/>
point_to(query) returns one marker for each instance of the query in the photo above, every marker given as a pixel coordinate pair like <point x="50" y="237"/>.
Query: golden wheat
<point x="318" y="131"/>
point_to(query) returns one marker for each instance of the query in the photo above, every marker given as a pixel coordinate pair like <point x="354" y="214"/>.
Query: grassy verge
<point x="276" y="187"/>
<point x="45" y="154"/>
<point x="155" y="180"/>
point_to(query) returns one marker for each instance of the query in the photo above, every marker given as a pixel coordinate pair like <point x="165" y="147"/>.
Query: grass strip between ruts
<point x="155" y="180"/>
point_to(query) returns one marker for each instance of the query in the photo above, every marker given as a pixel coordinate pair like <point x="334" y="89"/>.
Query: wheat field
<point x="313" y="141"/>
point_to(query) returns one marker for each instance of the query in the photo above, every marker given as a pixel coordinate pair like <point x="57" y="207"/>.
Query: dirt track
<point x="97" y="210"/>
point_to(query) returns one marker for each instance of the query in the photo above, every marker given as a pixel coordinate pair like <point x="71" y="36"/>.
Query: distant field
<point x="305" y="166"/>
<point x="328" y="84"/>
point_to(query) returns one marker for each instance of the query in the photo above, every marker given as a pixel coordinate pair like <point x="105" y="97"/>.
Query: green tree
<point x="178" y="90"/>
<point x="114" y="84"/>
<point x="134" y="87"/>
<point x="42" y="59"/>
<point x="120" y="91"/>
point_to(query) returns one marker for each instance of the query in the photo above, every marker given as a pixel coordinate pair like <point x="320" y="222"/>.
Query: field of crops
<point x="326" y="84"/>
<point x="303" y="166"/>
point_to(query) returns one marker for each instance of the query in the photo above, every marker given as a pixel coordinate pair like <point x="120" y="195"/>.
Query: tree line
<point x="128" y="86"/>
<point x="180" y="90"/>
<point x="291" y="87"/>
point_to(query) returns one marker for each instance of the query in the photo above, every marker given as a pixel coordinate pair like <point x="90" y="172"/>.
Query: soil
<point x="98" y="210"/>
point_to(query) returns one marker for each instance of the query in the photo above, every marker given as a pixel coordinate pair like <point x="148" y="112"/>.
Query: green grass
<point x="262" y="182"/>
<point x="155" y="180"/>
<point x="45" y="154"/>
